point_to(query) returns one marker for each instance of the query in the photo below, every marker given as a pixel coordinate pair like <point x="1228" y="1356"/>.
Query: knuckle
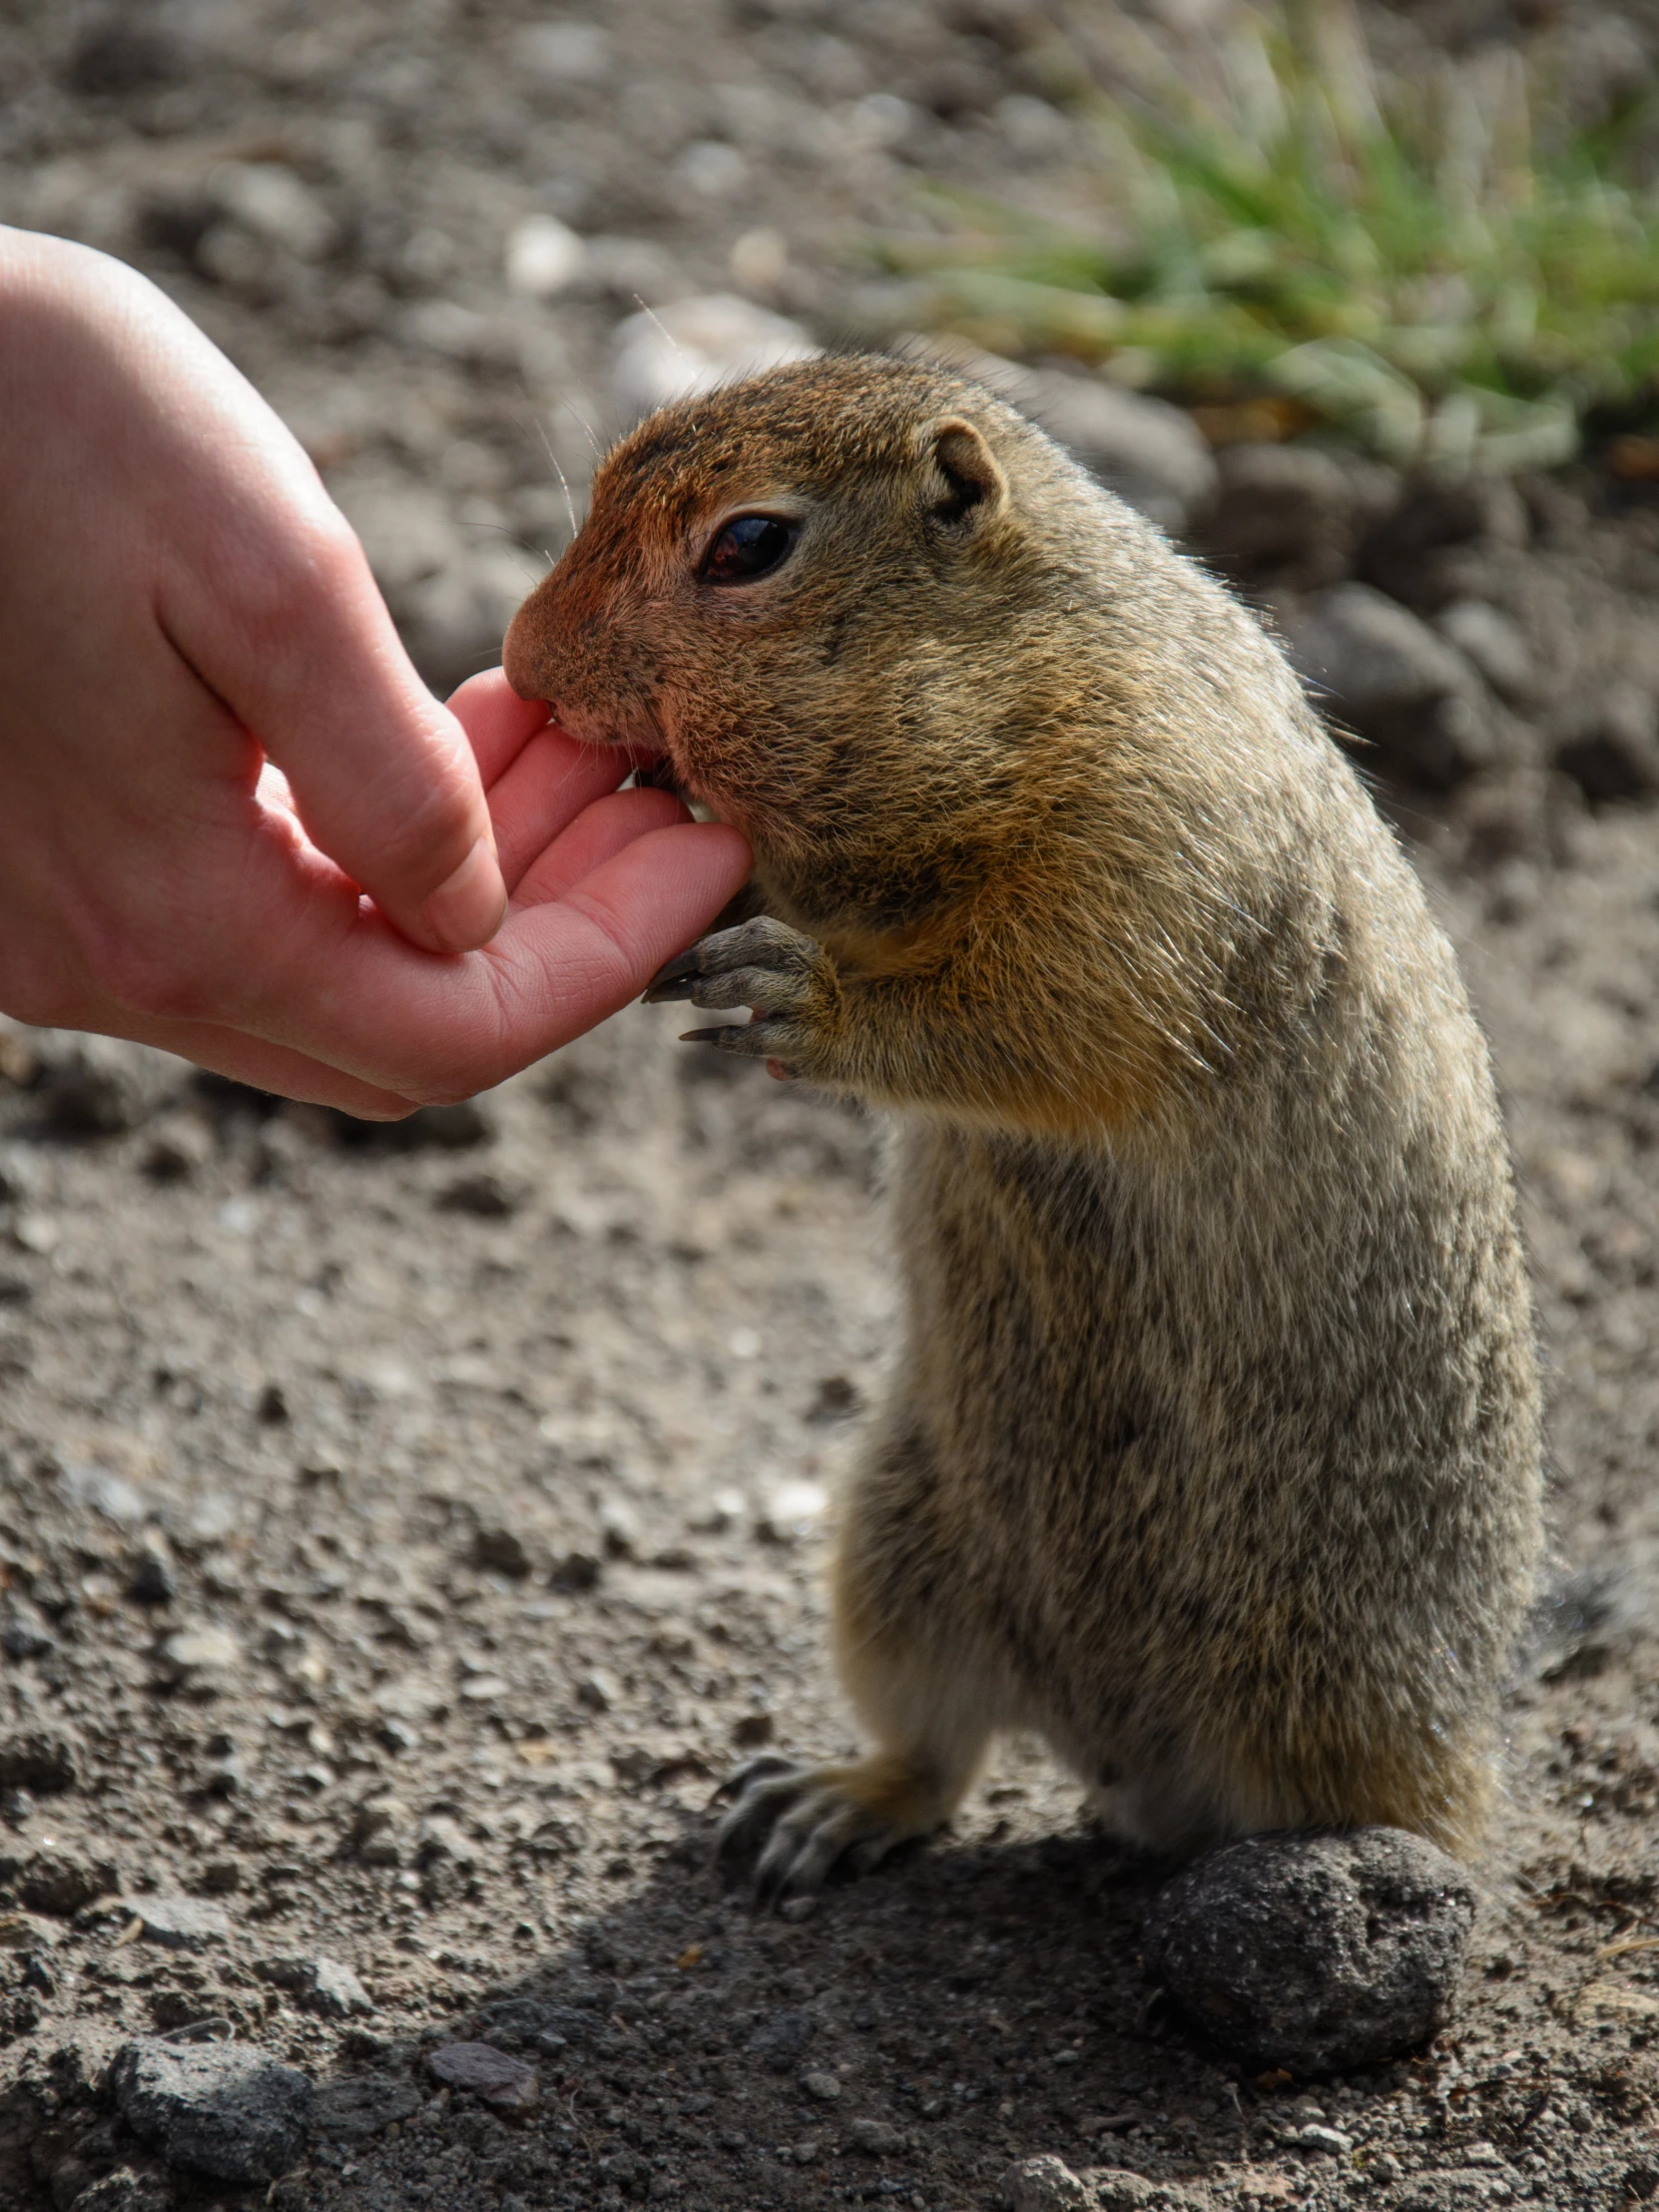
<point x="299" y="575"/>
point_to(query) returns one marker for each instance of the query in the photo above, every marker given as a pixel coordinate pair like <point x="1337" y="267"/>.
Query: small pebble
<point x="500" y="1551"/>
<point x="1117" y="2189"/>
<point x="61" y="1881"/>
<point x="178" y="1922"/>
<point x="781" y="2038"/>
<point x="821" y="2087"/>
<point x="483" y="2072"/>
<point x="597" y="1691"/>
<point x="792" y="1511"/>
<point x="1329" y="2140"/>
<point x="1043" y="2184"/>
<point x="39" y="1760"/>
<point x="199" y="1651"/>
<point x="877" y="2138"/>
<point x="484" y="1193"/>
<point x="152" y="1581"/>
<point x="321" y="1985"/>
<point x="619" y="1527"/>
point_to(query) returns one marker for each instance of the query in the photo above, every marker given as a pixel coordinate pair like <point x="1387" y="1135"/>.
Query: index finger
<point x="498" y="723"/>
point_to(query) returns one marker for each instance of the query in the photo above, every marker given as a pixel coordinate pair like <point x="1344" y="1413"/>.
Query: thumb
<point x="304" y="655"/>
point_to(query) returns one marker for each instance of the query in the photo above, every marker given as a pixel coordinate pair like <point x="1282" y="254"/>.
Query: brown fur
<point x="1211" y="1449"/>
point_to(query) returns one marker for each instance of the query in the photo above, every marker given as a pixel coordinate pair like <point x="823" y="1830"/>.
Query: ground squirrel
<point x="1212" y="1445"/>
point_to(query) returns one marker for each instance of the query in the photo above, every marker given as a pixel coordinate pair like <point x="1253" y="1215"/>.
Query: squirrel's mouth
<point x="660" y="774"/>
<point x="652" y="766"/>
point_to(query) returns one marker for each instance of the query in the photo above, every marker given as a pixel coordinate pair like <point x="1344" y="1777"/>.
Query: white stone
<point x="793" y="1509"/>
<point x="267" y="199"/>
<point x="544" y="257"/>
<point x="691" y="346"/>
<point x="556" y="54"/>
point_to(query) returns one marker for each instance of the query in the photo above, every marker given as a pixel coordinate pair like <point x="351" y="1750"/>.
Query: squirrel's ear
<point x="970" y="487"/>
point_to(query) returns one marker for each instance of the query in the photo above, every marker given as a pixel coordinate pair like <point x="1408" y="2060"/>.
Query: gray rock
<point x="24" y="1633"/>
<point x="221" y="2109"/>
<point x="483" y="2072"/>
<point x="268" y="200"/>
<point x="1043" y="2184"/>
<point x="1117" y="2189"/>
<point x="1150" y="454"/>
<point x="1613" y="752"/>
<point x="380" y="1832"/>
<point x="198" y="1661"/>
<point x="561" y="53"/>
<point x="152" y="1581"/>
<point x="179" y="1923"/>
<point x="1315" y="1952"/>
<point x="1283" y="508"/>
<point x="178" y="1148"/>
<point x="321" y="1985"/>
<point x="779" y="2039"/>
<point x="876" y="2138"/>
<point x="44" y="1760"/>
<point x="1328" y="2142"/>
<point x="61" y="1881"/>
<point x="105" y="1491"/>
<point x="820" y="2087"/>
<point x="101" y="1086"/>
<point x="1493" y="641"/>
<point x="1388" y="677"/>
<point x="360" y="2105"/>
<point x="501" y="1551"/>
<point x="488" y="1195"/>
<point x="1435" y="544"/>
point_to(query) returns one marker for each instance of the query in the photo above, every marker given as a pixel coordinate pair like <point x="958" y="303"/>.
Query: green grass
<point x="1437" y="266"/>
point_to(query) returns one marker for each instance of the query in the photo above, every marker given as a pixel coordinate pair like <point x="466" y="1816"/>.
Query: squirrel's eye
<point x="750" y="546"/>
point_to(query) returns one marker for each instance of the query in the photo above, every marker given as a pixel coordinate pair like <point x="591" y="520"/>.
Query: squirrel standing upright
<point x="1212" y="1447"/>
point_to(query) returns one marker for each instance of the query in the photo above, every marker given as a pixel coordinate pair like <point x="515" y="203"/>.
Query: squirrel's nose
<point x="522" y="660"/>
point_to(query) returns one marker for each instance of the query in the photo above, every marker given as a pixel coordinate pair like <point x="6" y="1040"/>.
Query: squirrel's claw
<point x="752" y="1770"/>
<point x="676" y="978"/>
<point x="759" y="964"/>
<point x="801" y="1823"/>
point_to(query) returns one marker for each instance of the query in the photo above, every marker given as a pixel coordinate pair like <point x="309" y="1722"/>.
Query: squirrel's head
<point x="810" y="590"/>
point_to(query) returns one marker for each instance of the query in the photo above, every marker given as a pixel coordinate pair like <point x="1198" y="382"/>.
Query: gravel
<point x="481" y="1786"/>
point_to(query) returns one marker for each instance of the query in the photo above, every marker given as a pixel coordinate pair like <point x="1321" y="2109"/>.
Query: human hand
<point x="212" y="746"/>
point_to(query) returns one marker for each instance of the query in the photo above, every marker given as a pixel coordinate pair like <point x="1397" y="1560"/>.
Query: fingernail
<point x="469" y="908"/>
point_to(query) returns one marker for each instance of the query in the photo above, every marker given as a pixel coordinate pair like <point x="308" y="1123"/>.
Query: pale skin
<point x="233" y="821"/>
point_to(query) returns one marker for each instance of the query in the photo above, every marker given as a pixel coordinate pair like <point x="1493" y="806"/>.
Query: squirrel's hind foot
<point x="800" y="1822"/>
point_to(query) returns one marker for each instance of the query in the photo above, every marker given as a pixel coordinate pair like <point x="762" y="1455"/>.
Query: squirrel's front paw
<point x="786" y="978"/>
<point x="799" y="1822"/>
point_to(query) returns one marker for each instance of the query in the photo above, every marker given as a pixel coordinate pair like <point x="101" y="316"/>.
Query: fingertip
<point x="497" y="723"/>
<point x="469" y="906"/>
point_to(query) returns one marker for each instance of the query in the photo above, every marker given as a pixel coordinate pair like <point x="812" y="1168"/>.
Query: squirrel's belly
<point x="1172" y="1487"/>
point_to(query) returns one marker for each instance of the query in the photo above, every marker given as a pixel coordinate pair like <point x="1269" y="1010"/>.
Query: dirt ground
<point x="401" y="1532"/>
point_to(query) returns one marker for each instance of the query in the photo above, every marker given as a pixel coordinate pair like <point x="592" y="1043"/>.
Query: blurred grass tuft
<point x="1441" y="267"/>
